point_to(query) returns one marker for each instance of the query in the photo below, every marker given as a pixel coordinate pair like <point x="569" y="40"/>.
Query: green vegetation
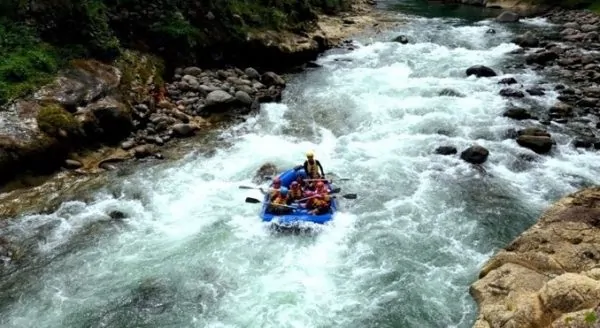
<point x="39" y="37"/>
<point x="590" y="317"/>
<point x="53" y="119"/>
<point x="25" y="61"/>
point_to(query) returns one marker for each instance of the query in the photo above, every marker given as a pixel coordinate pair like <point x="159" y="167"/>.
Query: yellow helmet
<point x="310" y="153"/>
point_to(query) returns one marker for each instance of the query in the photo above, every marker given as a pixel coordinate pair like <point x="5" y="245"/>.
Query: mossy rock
<point x="142" y="74"/>
<point x="55" y="121"/>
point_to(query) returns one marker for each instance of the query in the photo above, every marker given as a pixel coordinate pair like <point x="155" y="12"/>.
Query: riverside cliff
<point x="78" y="76"/>
<point x="549" y="275"/>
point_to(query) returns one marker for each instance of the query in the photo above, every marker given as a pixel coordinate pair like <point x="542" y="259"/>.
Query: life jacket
<point x="321" y="201"/>
<point x="279" y="200"/>
<point x="274" y="192"/>
<point x="295" y="194"/>
<point x="313" y="169"/>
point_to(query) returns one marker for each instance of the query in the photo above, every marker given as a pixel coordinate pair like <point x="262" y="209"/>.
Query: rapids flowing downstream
<point x="191" y="253"/>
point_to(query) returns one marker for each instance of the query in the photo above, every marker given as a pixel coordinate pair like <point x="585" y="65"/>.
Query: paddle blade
<point x="349" y="196"/>
<point x="248" y="187"/>
<point x="335" y="190"/>
<point x="252" y="200"/>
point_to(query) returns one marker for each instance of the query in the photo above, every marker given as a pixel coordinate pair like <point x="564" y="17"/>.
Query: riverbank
<point x="547" y="277"/>
<point x="96" y="114"/>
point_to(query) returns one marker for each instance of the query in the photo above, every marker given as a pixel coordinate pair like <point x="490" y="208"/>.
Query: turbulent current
<point x="191" y="253"/>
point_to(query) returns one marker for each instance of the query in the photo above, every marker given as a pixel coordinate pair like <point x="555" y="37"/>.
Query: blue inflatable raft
<point x="298" y="215"/>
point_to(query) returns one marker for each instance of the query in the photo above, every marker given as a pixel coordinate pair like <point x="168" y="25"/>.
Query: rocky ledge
<point x="550" y="275"/>
<point x="124" y="109"/>
<point x="93" y="104"/>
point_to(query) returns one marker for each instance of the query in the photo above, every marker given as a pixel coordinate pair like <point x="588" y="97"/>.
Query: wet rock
<point x="541" y="58"/>
<point x="401" y="39"/>
<point x="508" y="17"/>
<point x="243" y="97"/>
<point x="446" y="150"/>
<point x="252" y="73"/>
<point x="527" y="40"/>
<point x="490" y="31"/>
<point x="117" y="215"/>
<point x="584" y="142"/>
<point x="270" y="78"/>
<point x="535" y="91"/>
<point x="480" y="71"/>
<point x="193" y="71"/>
<point x="508" y="81"/>
<point x="587" y="102"/>
<point x="511" y="93"/>
<point x="35" y="137"/>
<point x="447" y="92"/>
<point x="517" y="114"/>
<point x="183" y="130"/>
<point x="111" y="120"/>
<point x="72" y="164"/>
<point x="535" y="139"/>
<point x="144" y="151"/>
<point x="86" y="81"/>
<point x="218" y="101"/>
<point x="266" y="171"/>
<point x="475" y="155"/>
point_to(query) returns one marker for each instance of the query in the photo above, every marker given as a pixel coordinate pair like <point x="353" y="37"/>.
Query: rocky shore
<point x="548" y="276"/>
<point x="95" y="114"/>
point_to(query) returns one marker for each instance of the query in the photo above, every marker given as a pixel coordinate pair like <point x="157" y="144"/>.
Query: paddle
<point x="256" y="201"/>
<point x="347" y="196"/>
<point x="333" y="191"/>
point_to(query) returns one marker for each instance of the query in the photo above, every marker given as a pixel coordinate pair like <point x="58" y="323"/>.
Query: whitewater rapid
<point x="191" y="253"/>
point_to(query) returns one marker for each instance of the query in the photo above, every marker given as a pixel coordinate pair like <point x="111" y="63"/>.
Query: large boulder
<point x="106" y="120"/>
<point x="480" y="71"/>
<point x="475" y="155"/>
<point x="548" y="276"/>
<point x="83" y="82"/>
<point x="535" y="139"/>
<point x="35" y="137"/>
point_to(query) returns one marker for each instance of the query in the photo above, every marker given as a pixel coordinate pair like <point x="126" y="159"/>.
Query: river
<point x="191" y="253"/>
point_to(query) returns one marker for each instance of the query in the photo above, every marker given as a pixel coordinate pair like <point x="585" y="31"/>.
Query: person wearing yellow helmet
<point x="312" y="166"/>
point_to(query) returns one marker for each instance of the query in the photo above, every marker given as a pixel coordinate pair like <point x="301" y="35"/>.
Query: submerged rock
<point x="535" y="139"/>
<point x="480" y="71"/>
<point x="475" y="155"/>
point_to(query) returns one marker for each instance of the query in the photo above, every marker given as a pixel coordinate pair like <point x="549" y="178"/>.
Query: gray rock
<point x="218" y="97"/>
<point x="480" y="71"/>
<point x="446" y="150"/>
<point x="511" y="93"/>
<point x="571" y="25"/>
<point x="588" y="28"/>
<point x="243" y="97"/>
<point x="475" y="155"/>
<point x="252" y="73"/>
<point x="72" y="164"/>
<point x="508" y="17"/>
<point x="182" y="130"/>
<point x="270" y="78"/>
<point x="527" y="40"/>
<point x="194" y="71"/>
<point x="127" y="144"/>
<point x="246" y="89"/>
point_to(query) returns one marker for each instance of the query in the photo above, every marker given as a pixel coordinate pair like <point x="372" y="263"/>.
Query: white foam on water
<point x="402" y="254"/>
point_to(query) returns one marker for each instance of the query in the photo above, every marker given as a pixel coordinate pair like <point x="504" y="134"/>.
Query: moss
<point x="140" y="72"/>
<point x="52" y="119"/>
<point x="590" y="318"/>
<point x="25" y="61"/>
